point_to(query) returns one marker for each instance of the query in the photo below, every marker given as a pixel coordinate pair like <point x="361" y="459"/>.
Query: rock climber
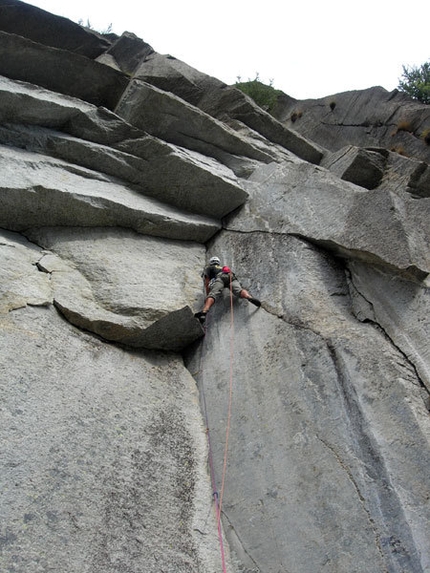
<point x="217" y="278"/>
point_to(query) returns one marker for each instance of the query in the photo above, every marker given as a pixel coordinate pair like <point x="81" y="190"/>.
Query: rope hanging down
<point x="230" y="398"/>
<point x="212" y="473"/>
<point x="218" y="498"/>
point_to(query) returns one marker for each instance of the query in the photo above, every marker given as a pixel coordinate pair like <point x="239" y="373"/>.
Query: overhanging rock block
<point x="223" y="102"/>
<point x="360" y="166"/>
<point x="27" y="104"/>
<point x="170" y="174"/>
<point x="406" y="174"/>
<point x="377" y="226"/>
<point x="171" y="118"/>
<point x="127" y="52"/>
<point x="75" y="75"/>
<point x="172" y="332"/>
<point x="45" y="28"/>
<point x="172" y="75"/>
<point x="118" y="284"/>
<point x="186" y="178"/>
<point x="40" y="191"/>
<point x="231" y="102"/>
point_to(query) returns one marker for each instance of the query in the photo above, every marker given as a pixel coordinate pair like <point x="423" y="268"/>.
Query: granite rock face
<point x="319" y="428"/>
<point x="125" y="425"/>
<point x="366" y="118"/>
<point x="99" y="439"/>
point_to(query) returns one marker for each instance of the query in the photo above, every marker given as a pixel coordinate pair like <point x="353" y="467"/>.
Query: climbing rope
<point x="230" y="398"/>
<point x="218" y="497"/>
<point x="212" y="466"/>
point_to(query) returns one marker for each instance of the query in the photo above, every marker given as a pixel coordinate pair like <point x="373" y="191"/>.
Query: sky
<point x="307" y="49"/>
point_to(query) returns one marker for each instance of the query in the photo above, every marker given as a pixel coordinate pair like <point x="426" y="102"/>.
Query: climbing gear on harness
<point x="217" y="277"/>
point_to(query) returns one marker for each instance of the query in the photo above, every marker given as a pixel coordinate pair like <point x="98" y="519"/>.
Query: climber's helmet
<point x="214" y="261"/>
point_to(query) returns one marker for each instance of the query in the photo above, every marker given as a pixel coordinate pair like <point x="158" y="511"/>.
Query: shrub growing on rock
<point x="264" y="95"/>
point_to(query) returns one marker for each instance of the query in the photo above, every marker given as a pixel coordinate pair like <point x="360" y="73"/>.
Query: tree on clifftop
<point x="416" y="82"/>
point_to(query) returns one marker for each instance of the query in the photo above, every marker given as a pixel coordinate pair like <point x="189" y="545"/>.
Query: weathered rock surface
<point x="55" y="193"/>
<point x="318" y="403"/>
<point x="312" y="411"/>
<point x="367" y="118"/>
<point x="161" y="170"/>
<point x="103" y="455"/>
<point x="22" y="284"/>
<point x="363" y="167"/>
<point x="126" y="53"/>
<point x="50" y="30"/>
<point x="223" y="102"/>
<point x="172" y="119"/>
<point x="95" y="293"/>
<point x="377" y="226"/>
<point x="399" y="308"/>
<point x="75" y="75"/>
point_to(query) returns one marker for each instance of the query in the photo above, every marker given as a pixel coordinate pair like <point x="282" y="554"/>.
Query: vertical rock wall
<point x="328" y="418"/>
<point x="119" y="176"/>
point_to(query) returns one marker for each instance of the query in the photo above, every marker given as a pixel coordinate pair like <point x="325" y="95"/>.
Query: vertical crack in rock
<point x="424" y="390"/>
<point x="353" y="481"/>
<point x="392" y="532"/>
<point x="248" y="563"/>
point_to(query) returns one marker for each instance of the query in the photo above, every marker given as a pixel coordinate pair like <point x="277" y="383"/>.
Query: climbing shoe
<point x="254" y="301"/>
<point x="201" y="316"/>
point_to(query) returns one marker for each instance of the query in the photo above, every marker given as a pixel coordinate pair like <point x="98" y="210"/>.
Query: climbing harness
<point x="218" y="496"/>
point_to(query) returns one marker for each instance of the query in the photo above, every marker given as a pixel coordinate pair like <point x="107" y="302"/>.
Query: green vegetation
<point x="416" y="82"/>
<point x="264" y="95"/>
